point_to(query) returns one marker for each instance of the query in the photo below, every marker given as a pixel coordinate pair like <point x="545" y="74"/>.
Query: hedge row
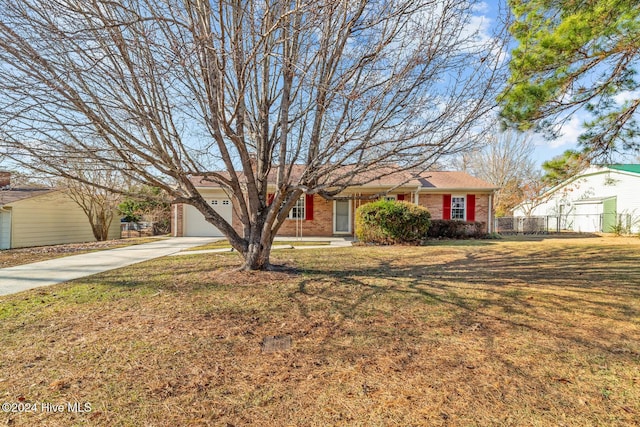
<point x="389" y="222"/>
<point x="454" y="229"/>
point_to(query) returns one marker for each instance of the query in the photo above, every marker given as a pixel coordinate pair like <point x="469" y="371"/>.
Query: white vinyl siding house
<point x="592" y="201"/>
<point x="46" y="218"/>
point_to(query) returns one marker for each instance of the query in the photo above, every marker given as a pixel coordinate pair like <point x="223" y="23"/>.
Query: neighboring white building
<point x="42" y="216"/>
<point x="596" y="200"/>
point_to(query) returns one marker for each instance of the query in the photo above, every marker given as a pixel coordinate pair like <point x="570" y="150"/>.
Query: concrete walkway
<point x="334" y="242"/>
<point x="44" y="273"/>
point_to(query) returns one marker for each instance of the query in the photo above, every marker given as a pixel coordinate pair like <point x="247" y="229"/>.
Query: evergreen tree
<point x="575" y="54"/>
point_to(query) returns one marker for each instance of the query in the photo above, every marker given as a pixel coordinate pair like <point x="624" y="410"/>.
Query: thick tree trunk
<point x="99" y="232"/>
<point x="257" y="257"/>
<point x="100" y="223"/>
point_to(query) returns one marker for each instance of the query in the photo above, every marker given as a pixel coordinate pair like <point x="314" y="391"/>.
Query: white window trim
<point x="464" y="208"/>
<point x="304" y="209"/>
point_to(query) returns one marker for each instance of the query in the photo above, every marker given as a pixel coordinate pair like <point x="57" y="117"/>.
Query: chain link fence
<point x="528" y="225"/>
<point x="587" y="223"/>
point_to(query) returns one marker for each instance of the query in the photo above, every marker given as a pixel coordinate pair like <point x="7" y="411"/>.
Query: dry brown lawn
<point x="529" y="332"/>
<point x="224" y="244"/>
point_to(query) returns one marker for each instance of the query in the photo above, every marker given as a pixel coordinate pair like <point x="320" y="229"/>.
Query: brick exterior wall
<point x="321" y="225"/>
<point x="177" y="220"/>
<point x="433" y="203"/>
<point x="482" y="210"/>
<point x="5" y="179"/>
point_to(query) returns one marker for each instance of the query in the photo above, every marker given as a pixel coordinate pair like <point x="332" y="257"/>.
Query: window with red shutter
<point x="308" y="207"/>
<point x="471" y="207"/>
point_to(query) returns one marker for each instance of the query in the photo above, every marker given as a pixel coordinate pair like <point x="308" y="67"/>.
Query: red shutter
<point x="308" y="207"/>
<point x="471" y="207"/>
<point x="269" y="199"/>
<point x="400" y="197"/>
<point x="446" y="206"/>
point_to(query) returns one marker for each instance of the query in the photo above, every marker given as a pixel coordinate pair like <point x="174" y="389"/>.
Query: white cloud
<point x="568" y="135"/>
<point x="546" y="149"/>
<point x="623" y="97"/>
<point x="481" y="7"/>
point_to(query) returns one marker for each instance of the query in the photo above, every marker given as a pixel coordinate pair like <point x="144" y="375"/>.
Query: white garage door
<point x="587" y="217"/>
<point x="195" y="224"/>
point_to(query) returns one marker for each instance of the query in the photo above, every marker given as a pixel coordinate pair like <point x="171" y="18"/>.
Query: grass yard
<point x="530" y="332"/>
<point x="223" y="244"/>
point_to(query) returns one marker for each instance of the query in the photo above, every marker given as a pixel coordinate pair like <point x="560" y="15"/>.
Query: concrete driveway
<point x="44" y="273"/>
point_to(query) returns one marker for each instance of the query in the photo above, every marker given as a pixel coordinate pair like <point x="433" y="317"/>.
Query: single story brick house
<point x="41" y="217"/>
<point x="446" y="194"/>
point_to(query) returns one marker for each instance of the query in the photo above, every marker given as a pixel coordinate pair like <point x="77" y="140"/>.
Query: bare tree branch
<point x="326" y="93"/>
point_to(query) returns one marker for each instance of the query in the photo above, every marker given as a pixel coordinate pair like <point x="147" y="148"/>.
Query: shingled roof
<point x="450" y="180"/>
<point x="430" y="180"/>
<point x="12" y="195"/>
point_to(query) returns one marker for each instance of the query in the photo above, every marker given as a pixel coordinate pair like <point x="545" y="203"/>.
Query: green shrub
<point x="453" y="229"/>
<point x="492" y="236"/>
<point x="389" y="222"/>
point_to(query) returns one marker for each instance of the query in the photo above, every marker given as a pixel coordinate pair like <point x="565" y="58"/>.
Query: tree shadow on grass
<point x="540" y="237"/>
<point x="579" y="294"/>
<point x="554" y="293"/>
<point x="523" y="319"/>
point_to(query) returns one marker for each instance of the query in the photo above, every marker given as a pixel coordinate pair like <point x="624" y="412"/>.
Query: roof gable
<point x="16" y="194"/>
<point x="453" y="180"/>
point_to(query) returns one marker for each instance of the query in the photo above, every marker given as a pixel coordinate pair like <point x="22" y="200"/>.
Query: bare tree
<point x="164" y="90"/>
<point x="535" y="192"/>
<point x="97" y="201"/>
<point x="506" y="161"/>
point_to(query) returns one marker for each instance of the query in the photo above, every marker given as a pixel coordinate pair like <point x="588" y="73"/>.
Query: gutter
<point x="460" y="190"/>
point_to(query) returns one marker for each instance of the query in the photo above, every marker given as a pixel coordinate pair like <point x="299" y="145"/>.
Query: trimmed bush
<point x="452" y="229"/>
<point x="390" y="222"/>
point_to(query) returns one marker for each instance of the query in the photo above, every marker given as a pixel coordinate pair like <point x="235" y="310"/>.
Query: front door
<point x="342" y="217"/>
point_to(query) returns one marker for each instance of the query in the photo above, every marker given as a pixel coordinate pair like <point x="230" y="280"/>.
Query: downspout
<point x="174" y="228"/>
<point x="489" y="221"/>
